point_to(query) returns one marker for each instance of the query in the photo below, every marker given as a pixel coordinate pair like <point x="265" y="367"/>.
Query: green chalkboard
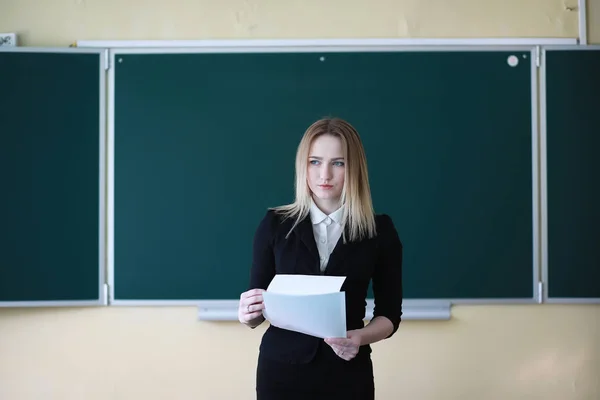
<point x="572" y="86"/>
<point x="205" y="142"/>
<point x="51" y="125"/>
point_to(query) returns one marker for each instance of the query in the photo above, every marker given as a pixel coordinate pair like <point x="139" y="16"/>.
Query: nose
<point x="325" y="172"/>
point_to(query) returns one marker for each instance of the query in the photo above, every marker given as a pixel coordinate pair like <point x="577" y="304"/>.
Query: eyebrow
<point x="320" y="158"/>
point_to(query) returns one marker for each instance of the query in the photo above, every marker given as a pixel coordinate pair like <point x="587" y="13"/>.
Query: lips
<point x="325" y="186"/>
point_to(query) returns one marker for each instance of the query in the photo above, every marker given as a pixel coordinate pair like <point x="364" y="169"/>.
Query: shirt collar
<point x="317" y="216"/>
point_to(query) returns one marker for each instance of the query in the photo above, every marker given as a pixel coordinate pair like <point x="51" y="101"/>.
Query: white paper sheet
<point x="310" y="304"/>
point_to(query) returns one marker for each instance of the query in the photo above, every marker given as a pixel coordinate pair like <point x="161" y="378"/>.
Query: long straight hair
<point x="358" y="216"/>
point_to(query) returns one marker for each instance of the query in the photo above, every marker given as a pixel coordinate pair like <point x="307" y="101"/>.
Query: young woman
<point x="329" y="229"/>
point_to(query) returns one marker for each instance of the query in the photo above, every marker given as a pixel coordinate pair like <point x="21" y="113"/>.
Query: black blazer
<point x="378" y="259"/>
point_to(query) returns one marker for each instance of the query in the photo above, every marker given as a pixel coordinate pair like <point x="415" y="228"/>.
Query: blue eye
<point x="334" y="163"/>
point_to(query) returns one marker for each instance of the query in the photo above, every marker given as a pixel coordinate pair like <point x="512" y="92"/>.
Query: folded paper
<point x="309" y="304"/>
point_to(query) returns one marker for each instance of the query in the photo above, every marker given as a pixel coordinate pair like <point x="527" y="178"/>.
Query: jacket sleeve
<point x="262" y="269"/>
<point x="387" y="278"/>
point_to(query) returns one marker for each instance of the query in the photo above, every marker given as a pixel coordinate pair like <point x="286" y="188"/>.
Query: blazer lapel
<point x="338" y="255"/>
<point x="305" y="232"/>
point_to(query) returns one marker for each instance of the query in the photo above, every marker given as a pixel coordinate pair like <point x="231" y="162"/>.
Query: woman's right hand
<point x="250" y="310"/>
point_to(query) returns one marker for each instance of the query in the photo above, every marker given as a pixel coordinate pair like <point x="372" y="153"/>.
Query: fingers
<point x="346" y="351"/>
<point x="251" y="305"/>
<point x="254" y="309"/>
<point x="251" y="292"/>
<point x="251" y="297"/>
<point x="250" y="316"/>
<point x="338" y="341"/>
<point x="247" y="316"/>
<point x="251" y="302"/>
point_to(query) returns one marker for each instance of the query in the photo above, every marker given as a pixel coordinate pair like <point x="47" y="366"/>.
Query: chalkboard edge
<point x="102" y="299"/>
<point x="101" y="52"/>
<point x="52" y="303"/>
<point x="546" y="297"/>
<point x="328" y="42"/>
<point x="573" y="300"/>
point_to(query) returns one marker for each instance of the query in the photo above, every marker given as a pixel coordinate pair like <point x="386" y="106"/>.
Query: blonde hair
<point x="358" y="215"/>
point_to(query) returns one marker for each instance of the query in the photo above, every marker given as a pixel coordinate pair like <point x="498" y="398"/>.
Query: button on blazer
<point x="377" y="260"/>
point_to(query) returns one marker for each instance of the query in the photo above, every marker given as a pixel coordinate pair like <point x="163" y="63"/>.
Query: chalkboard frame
<point x="102" y="299"/>
<point x="546" y="297"/>
<point x="227" y="309"/>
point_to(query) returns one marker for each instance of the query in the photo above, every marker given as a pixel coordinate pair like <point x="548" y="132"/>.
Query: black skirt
<point x="326" y="377"/>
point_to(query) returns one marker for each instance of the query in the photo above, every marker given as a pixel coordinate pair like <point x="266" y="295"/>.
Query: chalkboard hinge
<point x="538" y="54"/>
<point x="540" y="292"/>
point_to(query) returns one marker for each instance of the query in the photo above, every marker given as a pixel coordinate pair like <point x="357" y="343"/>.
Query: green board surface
<point x="204" y="143"/>
<point x="49" y="168"/>
<point x="573" y="170"/>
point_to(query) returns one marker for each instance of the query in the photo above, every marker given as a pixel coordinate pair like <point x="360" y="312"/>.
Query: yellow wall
<point x="593" y="21"/>
<point x="484" y="353"/>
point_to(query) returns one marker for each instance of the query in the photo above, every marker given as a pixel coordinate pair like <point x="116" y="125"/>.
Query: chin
<point x="326" y="195"/>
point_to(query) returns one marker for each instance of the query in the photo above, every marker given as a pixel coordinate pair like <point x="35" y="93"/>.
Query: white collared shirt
<point x="327" y="230"/>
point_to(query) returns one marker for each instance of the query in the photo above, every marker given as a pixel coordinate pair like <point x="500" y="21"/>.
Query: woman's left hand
<point x="346" y="348"/>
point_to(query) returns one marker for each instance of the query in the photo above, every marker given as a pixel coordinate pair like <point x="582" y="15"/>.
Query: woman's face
<point x="326" y="168"/>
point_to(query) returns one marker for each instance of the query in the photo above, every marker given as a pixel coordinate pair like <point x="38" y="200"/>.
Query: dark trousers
<point x="326" y="377"/>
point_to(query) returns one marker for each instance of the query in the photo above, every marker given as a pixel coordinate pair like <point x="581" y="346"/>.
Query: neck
<point x="327" y="206"/>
